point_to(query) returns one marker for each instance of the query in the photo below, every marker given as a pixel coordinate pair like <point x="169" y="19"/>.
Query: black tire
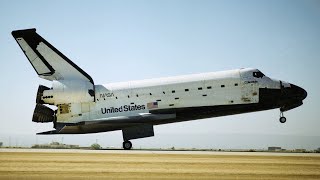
<point x="127" y="145"/>
<point x="283" y="119"/>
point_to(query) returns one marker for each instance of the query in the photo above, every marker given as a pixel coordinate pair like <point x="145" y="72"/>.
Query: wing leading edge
<point x="47" y="61"/>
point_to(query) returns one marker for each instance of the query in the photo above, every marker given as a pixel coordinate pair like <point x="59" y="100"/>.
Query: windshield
<point x="258" y="74"/>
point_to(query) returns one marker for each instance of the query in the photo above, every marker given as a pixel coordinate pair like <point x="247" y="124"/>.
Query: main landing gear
<point x="127" y="145"/>
<point x="282" y="118"/>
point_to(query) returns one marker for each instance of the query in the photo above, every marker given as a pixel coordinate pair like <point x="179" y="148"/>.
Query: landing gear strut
<point x="127" y="145"/>
<point x="282" y="118"/>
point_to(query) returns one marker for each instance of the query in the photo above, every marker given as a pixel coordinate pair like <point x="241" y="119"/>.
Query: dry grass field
<point x="69" y="165"/>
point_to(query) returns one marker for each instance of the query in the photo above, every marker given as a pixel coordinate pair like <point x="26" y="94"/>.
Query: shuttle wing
<point x="109" y="124"/>
<point x="48" y="62"/>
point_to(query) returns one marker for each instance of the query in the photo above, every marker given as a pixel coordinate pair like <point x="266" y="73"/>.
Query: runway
<point x="136" y="164"/>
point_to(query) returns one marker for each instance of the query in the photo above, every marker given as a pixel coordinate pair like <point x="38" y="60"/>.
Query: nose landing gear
<point x="282" y="118"/>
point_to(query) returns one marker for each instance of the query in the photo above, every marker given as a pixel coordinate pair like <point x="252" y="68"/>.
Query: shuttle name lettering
<point x="249" y="82"/>
<point x="124" y="108"/>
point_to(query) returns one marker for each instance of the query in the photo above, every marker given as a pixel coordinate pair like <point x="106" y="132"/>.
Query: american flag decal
<point x="152" y="105"/>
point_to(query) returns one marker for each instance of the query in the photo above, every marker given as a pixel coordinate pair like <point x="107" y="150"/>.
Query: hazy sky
<point x="130" y="40"/>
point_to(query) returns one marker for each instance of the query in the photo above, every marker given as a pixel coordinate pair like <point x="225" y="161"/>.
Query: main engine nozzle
<point x="40" y="94"/>
<point x="43" y="114"/>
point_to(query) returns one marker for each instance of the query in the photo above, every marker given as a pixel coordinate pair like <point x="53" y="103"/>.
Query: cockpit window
<point x="258" y="74"/>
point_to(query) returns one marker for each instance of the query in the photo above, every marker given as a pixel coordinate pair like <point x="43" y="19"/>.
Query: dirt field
<point x="68" y="165"/>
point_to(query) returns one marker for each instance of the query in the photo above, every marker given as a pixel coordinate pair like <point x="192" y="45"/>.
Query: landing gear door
<point x="249" y="87"/>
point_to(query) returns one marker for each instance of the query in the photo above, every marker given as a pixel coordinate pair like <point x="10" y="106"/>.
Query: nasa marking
<point x="104" y="95"/>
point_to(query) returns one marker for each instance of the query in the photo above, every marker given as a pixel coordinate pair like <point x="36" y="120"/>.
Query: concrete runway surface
<point x="137" y="164"/>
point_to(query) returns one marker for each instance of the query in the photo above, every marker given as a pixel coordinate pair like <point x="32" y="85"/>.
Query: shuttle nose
<point x="292" y="97"/>
<point x="297" y="92"/>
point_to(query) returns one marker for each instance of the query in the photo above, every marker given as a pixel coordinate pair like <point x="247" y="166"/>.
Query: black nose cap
<point x="298" y="92"/>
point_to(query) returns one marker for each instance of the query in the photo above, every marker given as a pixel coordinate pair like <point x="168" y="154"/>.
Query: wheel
<point x="283" y="119"/>
<point x="127" y="145"/>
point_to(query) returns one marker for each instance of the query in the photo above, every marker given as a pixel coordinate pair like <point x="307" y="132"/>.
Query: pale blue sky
<point x="130" y="40"/>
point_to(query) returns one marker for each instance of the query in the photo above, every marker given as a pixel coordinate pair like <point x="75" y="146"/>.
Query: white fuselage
<point x="138" y="97"/>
